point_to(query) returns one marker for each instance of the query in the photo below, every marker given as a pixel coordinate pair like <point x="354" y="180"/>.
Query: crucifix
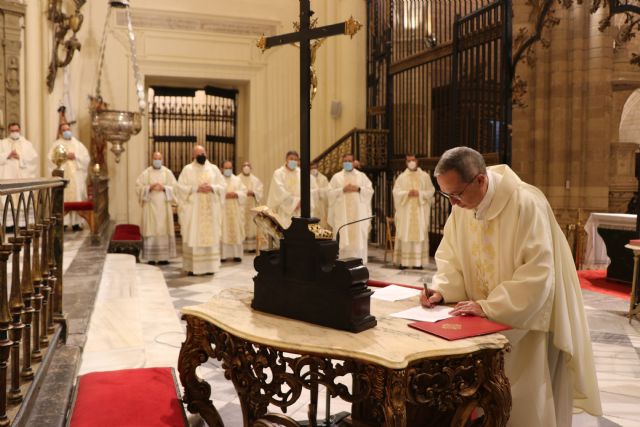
<point x="306" y="34"/>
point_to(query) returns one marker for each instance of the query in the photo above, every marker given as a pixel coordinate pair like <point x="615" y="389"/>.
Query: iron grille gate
<point x="437" y="78"/>
<point x="181" y="118"/>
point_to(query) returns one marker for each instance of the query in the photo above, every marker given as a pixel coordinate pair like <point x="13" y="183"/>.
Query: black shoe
<point x="190" y="273"/>
<point x="224" y="260"/>
<point x="76" y="228"/>
<point x="64" y="228"/>
<point x="252" y="251"/>
<point x="402" y="267"/>
<point x="209" y="274"/>
<point x="236" y="259"/>
<point x="163" y="262"/>
<point x="152" y="263"/>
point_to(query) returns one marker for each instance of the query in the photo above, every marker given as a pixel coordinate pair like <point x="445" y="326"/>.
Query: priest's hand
<point x="414" y="193"/>
<point x="205" y="188"/>
<point x="467" y="308"/>
<point x="251" y="194"/>
<point x="157" y="187"/>
<point x="14" y="155"/>
<point x="434" y="298"/>
<point x="231" y="195"/>
<point x="350" y="188"/>
<point x="71" y="155"/>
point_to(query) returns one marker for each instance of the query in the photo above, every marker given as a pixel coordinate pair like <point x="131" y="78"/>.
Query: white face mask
<point x="227" y="172"/>
<point x="246" y="170"/>
<point x="413" y="165"/>
<point x="14" y="135"/>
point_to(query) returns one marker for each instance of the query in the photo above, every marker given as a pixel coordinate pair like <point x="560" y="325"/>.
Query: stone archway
<point x="629" y="129"/>
<point x="623" y="180"/>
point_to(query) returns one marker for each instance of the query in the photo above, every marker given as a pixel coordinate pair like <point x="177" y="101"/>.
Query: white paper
<point x="394" y="293"/>
<point x="421" y="314"/>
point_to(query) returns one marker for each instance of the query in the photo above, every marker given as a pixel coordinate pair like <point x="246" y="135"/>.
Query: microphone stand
<point x="349" y="223"/>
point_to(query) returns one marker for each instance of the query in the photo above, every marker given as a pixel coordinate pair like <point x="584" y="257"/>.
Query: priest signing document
<point x="504" y="257"/>
<point x="350" y="195"/>
<point x="201" y="192"/>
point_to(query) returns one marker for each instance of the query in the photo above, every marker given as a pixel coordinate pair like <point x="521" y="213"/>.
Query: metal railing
<point x="31" y="246"/>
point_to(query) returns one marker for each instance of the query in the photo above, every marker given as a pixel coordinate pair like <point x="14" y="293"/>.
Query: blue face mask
<point x="292" y="164"/>
<point x="348" y="166"/>
<point x="228" y="172"/>
<point x="67" y="134"/>
<point x="157" y="163"/>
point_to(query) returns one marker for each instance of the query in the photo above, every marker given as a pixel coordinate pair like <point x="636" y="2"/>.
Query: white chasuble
<point x="252" y="183"/>
<point x="26" y="166"/>
<point x="233" y="218"/>
<point x="322" y="200"/>
<point x="515" y="262"/>
<point x="284" y="194"/>
<point x="157" y="213"/>
<point x="412" y="218"/>
<point x="200" y="217"/>
<point x="348" y="207"/>
<point x="75" y="171"/>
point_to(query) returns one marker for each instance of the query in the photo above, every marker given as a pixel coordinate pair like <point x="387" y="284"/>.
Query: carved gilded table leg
<point x="193" y="353"/>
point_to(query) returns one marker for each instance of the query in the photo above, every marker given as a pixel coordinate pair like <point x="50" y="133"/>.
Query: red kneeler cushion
<point x="78" y="206"/>
<point x="128" y="398"/>
<point x="126" y="232"/>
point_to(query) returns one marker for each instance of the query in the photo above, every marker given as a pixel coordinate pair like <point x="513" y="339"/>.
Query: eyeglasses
<point x="458" y="196"/>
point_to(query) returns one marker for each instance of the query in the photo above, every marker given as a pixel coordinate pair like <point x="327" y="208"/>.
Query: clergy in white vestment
<point x="412" y="197"/>
<point x="201" y="190"/>
<point x="75" y="170"/>
<point x="255" y="195"/>
<point x="233" y="215"/>
<point x="18" y="160"/>
<point x="156" y="188"/>
<point x="503" y="256"/>
<point x="321" y="206"/>
<point x="284" y="191"/>
<point x="350" y="197"/>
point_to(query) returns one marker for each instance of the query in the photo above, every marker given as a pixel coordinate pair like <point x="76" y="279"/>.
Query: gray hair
<point x="464" y="160"/>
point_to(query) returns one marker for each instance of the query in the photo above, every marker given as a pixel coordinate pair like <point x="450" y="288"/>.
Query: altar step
<point x="134" y="323"/>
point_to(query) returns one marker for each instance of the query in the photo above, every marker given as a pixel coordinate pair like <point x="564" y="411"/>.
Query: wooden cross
<point x="304" y="36"/>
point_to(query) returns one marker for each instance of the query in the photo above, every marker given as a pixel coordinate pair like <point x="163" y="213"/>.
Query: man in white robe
<point x="233" y="215"/>
<point x="75" y="170"/>
<point x="18" y="160"/>
<point x="284" y="191"/>
<point x="201" y="190"/>
<point x="255" y="195"/>
<point x="412" y="197"/>
<point x="321" y="201"/>
<point x="503" y="256"/>
<point x="350" y="197"/>
<point x="156" y="193"/>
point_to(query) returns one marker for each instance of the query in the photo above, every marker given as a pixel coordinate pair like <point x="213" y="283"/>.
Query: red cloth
<point x="596" y="281"/>
<point x="128" y="398"/>
<point x="126" y="232"/>
<point x="78" y="206"/>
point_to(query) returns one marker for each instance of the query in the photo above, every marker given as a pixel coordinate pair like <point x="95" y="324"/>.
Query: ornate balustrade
<point x="31" y="314"/>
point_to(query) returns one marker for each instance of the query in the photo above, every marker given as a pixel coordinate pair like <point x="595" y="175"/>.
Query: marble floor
<point x="616" y="343"/>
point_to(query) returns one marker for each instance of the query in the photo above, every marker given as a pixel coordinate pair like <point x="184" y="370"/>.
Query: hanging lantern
<point x="116" y="126"/>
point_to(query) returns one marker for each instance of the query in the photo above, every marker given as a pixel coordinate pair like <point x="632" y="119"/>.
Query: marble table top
<point x="391" y="343"/>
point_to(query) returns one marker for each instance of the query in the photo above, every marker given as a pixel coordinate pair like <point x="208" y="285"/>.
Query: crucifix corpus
<point x="307" y="34"/>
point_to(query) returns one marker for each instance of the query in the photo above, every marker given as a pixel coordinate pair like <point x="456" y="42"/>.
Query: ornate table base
<point x="435" y="391"/>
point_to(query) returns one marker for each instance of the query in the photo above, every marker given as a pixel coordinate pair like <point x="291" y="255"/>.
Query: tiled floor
<point x="616" y="343"/>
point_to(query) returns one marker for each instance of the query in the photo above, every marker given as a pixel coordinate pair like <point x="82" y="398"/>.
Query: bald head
<point x="156" y="155"/>
<point x="198" y="150"/>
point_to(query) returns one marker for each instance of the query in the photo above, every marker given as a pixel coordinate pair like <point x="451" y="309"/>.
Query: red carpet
<point x="596" y="281"/>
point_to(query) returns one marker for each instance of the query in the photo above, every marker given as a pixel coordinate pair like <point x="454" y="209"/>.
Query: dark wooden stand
<point x="304" y="280"/>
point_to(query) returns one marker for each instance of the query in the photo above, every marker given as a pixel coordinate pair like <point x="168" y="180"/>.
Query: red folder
<point x="459" y="327"/>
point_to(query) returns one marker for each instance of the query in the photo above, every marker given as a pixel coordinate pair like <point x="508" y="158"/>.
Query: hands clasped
<point x="350" y="188"/>
<point x="205" y="188"/>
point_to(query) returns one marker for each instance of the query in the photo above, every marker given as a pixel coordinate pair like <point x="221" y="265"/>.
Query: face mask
<point x="292" y="164"/>
<point x="314" y="172"/>
<point x="67" y="134"/>
<point x="246" y="170"/>
<point x="228" y="172"/>
<point x="157" y="163"/>
<point x="412" y="165"/>
<point x="348" y="166"/>
<point x="15" y="135"/>
<point x="201" y="158"/>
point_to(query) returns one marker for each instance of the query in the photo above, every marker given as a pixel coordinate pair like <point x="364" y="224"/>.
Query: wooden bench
<point x="126" y="239"/>
<point x="128" y="397"/>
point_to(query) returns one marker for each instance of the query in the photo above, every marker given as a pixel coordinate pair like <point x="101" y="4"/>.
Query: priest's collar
<point x="483" y="207"/>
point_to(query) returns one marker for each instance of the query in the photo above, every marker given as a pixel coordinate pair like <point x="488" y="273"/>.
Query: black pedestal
<point x="304" y="280"/>
<point x="621" y="267"/>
